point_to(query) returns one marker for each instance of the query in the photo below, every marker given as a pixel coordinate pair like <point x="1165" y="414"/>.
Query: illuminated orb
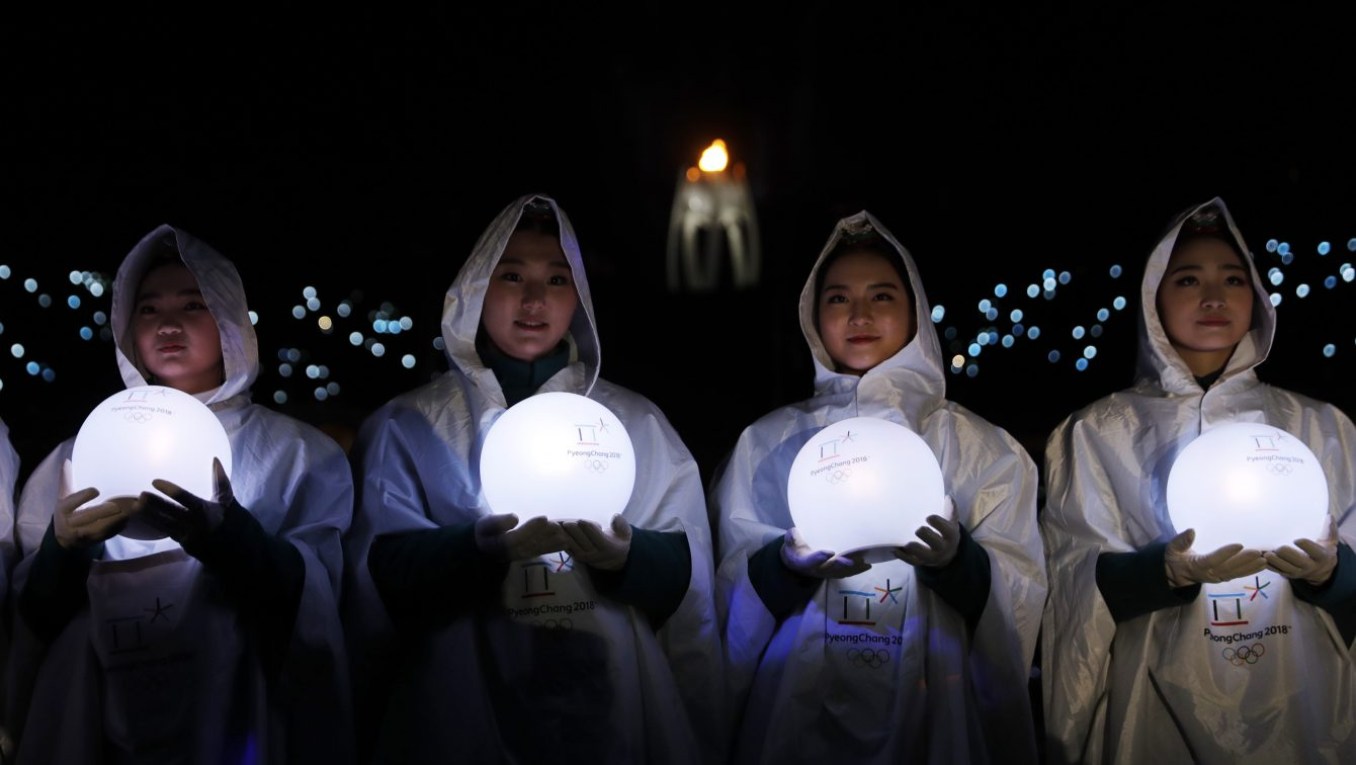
<point x="1249" y="483"/>
<point x="143" y="433"/>
<point x="560" y="455"/>
<point x="864" y="485"/>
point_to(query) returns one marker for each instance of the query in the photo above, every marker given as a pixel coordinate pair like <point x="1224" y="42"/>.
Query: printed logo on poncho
<point x="857" y="621"/>
<point x="538" y="600"/>
<point x="1232" y="626"/>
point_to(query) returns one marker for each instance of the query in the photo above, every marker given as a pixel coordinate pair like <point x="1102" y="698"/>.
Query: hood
<point x="224" y="294"/>
<point x="1157" y="361"/>
<point x="465" y="298"/>
<point x="911" y="380"/>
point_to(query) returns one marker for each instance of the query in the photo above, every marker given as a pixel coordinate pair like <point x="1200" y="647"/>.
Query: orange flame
<point x="714" y="158"/>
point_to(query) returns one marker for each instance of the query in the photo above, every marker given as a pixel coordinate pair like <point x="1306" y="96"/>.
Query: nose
<point x="860" y="314"/>
<point x="1213" y="296"/>
<point x="169" y="326"/>
<point x="534" y="295"/>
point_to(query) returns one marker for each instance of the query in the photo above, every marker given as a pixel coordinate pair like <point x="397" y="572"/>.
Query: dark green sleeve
<point x="656" y="576"/>
<point x="1337" y="596"/>
<point x="1136" y="583"/>
<point x="427" y="577"/>
<point x="964" y="582"/>
<point x="261" y="573"/>
<point x="56" y="588"/>
<point x="782" y="590"/>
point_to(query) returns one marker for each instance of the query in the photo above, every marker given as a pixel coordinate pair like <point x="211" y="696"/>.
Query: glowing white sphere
<point x="144" y="433"/>
<point x="560" y="455"/>
<point x="864" y="485"/>
<point x="1250" y="483"/>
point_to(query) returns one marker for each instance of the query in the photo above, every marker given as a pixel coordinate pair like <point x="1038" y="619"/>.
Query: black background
<point x="362" y="150"/>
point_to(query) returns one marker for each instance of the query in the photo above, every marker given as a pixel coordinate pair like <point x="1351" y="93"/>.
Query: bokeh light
<point x="1061" y="315"/>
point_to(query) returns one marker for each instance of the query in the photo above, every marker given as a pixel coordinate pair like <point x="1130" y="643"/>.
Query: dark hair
<point x="869" y="241"/>
<point x="163" y="252"/>
<point x="1208" y="223"/>
<point x="538" y="217"/>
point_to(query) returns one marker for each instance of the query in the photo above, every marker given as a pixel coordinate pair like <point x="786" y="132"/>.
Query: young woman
<point x="221" y="641"/>
<point x="483" y="639"/>
<point x="940" y="671"/>
<point x="1137" y="666"/>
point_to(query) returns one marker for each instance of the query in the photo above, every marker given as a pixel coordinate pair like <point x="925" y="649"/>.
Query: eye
<point x="195" y="305"/>
<point x="510" y="276"/>
<point x="560" y="281"/>
<point x="145" y="309"/>
<point x="835" y="299"/>
<point x="1238" y="281"/>
<point x="1185" y="281"/>
<point x="884" y="297"/>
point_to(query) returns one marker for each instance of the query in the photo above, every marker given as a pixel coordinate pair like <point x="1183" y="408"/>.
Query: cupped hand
<point x="820" y="564"/>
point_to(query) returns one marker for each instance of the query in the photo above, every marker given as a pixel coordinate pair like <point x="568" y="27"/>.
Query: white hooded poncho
<point x="1169" y="686"/>
<point x="529" y="674"/>
<point x="196" y="681"/>
<point x="9" y="475"/>
<point x="913" y="685"/>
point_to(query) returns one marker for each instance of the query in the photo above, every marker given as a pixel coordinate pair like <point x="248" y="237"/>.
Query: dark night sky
<point x="367" y="148"/>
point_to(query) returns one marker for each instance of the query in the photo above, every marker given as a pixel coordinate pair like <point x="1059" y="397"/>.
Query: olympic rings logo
<point x="597" y="466"/>
<point x="1247" y="654"/>
<point x="138" y="416"/>
<point x="868" y="657"/>
<point x="838" y="476"/>
<point x="1281" y="468"/>
<point x="556" y="624"/>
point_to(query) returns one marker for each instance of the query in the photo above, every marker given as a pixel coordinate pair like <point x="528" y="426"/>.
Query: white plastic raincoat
<point x="1174" y="685"/>
<point x="9" y="475"/>
<point x="497" y="683"/>
<point x="912" y="686"/>
<point x="193" y="686"/>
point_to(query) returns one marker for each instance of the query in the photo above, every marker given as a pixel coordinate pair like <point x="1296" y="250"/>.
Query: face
<point x="531" y="297"/>
<point x="1205" y="303"/>
<point x="176" y="337"/>
<point x="865" y="313"/>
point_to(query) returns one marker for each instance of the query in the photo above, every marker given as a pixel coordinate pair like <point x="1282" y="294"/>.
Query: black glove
<point x="190" y="521"/>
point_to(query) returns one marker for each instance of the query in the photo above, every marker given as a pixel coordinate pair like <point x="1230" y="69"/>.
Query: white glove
<point x="77" y="529"/>
<point x="1185" y="568"/>
<point x="820" y="564"/>
<point x="940" y="540"/>
<point x="1314" y="561"/>
<point x="606" y="550"/>
<point x="496" y="534"/>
